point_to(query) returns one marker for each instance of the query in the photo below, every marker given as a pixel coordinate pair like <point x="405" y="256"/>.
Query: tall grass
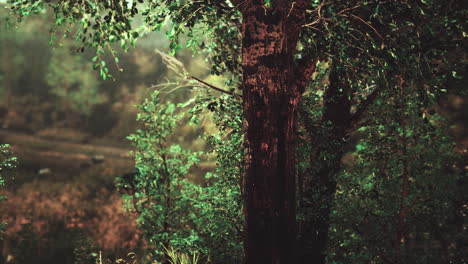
<point x="173" y="257"/>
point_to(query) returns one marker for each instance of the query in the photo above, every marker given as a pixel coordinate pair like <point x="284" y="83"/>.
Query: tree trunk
<point x="270" y="98"/>
<point x="320" y="183"/>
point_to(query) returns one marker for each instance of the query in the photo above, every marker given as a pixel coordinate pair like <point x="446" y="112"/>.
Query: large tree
<point x="269" y="50"/>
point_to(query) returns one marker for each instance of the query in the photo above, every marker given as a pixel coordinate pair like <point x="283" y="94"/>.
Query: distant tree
<point x="269" y="50"/>
<point x="73" y="83"/>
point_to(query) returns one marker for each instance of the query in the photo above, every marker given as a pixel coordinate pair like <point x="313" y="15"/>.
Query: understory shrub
<point x="174" y="212"/>
<point x="7" y="162"/>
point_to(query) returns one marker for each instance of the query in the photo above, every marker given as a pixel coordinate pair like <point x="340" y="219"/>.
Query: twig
<point x="290" y="10"/>
<point x="319" y="16"/>
<point x="347" y="9"/>
<point x="369" y="25"/>
<point x="214" y="87"/>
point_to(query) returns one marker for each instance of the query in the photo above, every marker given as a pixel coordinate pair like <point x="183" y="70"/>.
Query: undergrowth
<point x="172" y="257"/>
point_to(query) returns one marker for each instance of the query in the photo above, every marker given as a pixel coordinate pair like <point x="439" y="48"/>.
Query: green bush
<point x="174" y="212"/>
<point x="164" y="197"/>
<point x="221" y="202"/>
<point x="7" y="162"/>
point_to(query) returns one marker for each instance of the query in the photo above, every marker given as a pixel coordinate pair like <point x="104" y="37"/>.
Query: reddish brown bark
<point x="270" y="97"/>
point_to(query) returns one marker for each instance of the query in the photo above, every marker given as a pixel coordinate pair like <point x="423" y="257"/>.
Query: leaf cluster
<point x="7" y="163"/>
<point x="173" y="210"/>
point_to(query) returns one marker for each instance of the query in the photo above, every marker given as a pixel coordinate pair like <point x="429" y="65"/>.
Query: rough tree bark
<point x="271" y="92"/>
<point x="272" y="86"/>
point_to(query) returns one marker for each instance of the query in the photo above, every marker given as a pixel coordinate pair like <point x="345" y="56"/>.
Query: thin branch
<point x="319" y="15"/>
<point x="292" y="7"/>
<point x="214" y="87"/>
<point x="178" y="67"/>
<point x="348" y="9"/>
<point x="369" y="25"/>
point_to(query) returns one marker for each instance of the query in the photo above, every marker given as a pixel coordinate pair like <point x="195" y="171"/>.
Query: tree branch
<point x="214" y="87"/>
<point x="369" y="25"/>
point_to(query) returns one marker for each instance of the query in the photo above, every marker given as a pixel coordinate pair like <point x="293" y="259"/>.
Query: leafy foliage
<point x="394" y="200"/>
<point x="173" y="211"/>
<point x="222" y="196"/>
<point x="104" y="23"/>
<point x="164" y="196"/>
<point x="7" y="163"/>
<point x="376" y="47"/>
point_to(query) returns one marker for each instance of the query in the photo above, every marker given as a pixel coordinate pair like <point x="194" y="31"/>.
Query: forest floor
<point x="61" y="194"/>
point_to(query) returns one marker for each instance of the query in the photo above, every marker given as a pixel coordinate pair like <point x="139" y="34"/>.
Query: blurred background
<point x="68" y="128"/>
